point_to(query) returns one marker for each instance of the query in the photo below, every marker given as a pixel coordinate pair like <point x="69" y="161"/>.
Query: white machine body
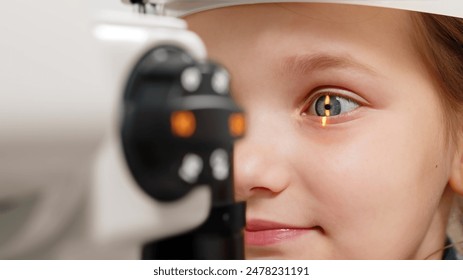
<point x="444" y="7"/>
<point x="65" y="189"/>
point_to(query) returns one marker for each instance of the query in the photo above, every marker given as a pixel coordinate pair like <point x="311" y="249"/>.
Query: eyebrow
<point x="306" y="63"/>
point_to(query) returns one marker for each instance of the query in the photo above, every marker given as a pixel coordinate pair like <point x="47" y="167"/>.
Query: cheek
<point x="378" y="174"/>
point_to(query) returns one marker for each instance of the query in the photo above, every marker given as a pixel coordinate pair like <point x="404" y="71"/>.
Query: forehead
<point x="249" y="38"/>
<point x="285" y="29"/>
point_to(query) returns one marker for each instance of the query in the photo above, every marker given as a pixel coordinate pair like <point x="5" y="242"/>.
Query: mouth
<point x="264" y="233"/>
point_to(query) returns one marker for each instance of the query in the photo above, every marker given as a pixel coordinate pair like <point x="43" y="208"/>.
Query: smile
<point x="263" y="233"/>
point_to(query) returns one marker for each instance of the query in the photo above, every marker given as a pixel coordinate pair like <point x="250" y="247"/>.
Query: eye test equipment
<point x="117" y="132"/>
<point x="116" y="140"/>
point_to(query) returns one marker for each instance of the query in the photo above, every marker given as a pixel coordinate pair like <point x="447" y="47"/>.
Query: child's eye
<point x="330" y="104"/>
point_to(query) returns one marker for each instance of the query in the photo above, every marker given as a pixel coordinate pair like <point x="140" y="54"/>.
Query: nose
<point x="261" y="166"/>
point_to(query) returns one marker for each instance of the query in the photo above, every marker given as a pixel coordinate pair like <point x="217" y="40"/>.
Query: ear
<point x="456" y="173"/>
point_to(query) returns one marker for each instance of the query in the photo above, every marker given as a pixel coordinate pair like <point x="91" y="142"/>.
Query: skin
<point x="375" y="179"/>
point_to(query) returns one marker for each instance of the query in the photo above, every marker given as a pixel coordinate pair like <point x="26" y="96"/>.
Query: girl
<point x="354" y="145"/>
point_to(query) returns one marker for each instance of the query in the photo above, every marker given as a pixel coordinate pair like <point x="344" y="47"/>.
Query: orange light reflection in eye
<point x="183" y="123"/>
<point x="327" y="112"/>
<point x="323" y="121"/>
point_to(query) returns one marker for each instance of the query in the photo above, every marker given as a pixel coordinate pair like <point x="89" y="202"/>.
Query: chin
<point x="254" y="253"/>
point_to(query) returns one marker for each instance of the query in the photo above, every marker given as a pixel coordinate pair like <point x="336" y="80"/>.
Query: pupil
<point x="334" y="106"/>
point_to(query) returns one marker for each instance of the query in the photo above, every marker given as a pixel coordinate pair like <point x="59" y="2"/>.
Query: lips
<point x="263" y="233"/>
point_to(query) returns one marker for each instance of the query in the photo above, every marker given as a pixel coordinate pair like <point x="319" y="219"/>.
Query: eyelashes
<point x="330" y="102"/>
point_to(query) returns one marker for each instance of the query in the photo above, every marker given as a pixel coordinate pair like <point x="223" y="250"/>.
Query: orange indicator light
<point x="236" y="124"/>
<point x="183" y="123"/>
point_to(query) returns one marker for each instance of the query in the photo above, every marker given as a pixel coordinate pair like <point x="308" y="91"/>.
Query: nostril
<point x="260" y="188"/>
<point x="265" y="191"/>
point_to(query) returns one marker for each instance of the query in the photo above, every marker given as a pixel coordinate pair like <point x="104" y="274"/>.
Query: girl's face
<point x="345" y="154"/>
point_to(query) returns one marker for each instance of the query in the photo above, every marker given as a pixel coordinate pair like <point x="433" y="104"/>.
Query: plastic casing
<point x="62" y="77"/>
<point x="444" y="7"/>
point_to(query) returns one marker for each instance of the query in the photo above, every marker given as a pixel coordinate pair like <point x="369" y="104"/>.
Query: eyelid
<point x="312" y="97"/>
<point x="338" y="92"/>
